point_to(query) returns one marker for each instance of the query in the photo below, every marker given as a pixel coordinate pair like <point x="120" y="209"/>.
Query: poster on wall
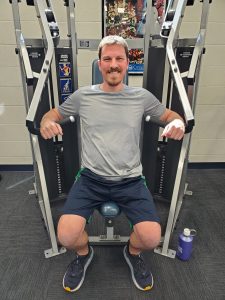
<point x="127" y="18"/>
<point x="136" y="61"/>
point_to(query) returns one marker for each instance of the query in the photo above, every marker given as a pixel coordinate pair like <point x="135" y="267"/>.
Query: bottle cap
<point x="187" y="232"/>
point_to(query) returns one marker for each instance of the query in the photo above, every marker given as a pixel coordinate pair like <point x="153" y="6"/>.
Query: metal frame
<point x="109" y="238"/>
<point x="32" y="105"/>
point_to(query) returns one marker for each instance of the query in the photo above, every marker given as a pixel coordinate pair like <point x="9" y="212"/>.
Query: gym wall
<point x="208" y="139"/>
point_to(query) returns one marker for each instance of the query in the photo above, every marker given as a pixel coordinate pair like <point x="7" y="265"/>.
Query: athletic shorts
<point x="90" y="191"/>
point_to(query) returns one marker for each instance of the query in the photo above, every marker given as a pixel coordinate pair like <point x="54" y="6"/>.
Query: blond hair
<point x="112" y="40"/>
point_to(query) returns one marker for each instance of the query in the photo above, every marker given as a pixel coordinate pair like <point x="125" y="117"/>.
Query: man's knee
<point x="70" y="228"/>
<point x="149" y="234"/>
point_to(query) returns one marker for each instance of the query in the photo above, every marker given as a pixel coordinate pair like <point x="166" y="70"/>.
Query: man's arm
<point x="175" y="127"/>
<point x="49" y="126"/>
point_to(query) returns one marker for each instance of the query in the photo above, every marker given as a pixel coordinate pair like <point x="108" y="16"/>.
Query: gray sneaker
<point x="142" y="278"/>
<point x="75" y="273"/>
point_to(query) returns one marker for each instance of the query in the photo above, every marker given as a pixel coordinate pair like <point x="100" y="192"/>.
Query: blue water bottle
<point x="185" y="244"/>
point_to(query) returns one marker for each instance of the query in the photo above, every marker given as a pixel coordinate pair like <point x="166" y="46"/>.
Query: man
<point x="111" y="114"/>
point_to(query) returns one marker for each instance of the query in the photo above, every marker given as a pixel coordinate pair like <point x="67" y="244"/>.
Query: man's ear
<point x="99" y="64"/>
<point x="128" y="61"/>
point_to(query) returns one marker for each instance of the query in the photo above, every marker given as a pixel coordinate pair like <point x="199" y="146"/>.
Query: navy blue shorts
<point x="131" y="194"/>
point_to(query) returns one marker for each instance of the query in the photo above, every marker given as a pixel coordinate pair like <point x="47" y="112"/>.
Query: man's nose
<point x="113" y="63"/>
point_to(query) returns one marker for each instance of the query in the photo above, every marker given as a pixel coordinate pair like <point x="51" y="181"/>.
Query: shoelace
<point x="76" y="266"/>
<point x="141" y="267"/>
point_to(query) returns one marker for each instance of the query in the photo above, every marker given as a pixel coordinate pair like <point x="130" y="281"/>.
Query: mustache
<point x="114" y="70"/>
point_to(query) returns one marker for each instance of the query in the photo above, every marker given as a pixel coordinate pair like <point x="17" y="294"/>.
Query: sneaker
<point x="142" y="278"/>
<point x="75" y="273"/>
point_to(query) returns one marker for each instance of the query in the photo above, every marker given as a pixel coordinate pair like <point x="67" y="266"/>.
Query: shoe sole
<point x="132" y="273"/>
<point x="82" y="280"/>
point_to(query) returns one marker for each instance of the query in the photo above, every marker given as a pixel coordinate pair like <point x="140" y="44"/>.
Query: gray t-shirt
<point x="110" y="127"/>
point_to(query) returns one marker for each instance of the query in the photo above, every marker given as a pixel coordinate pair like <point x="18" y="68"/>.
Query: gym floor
<point x="26" y="274"/>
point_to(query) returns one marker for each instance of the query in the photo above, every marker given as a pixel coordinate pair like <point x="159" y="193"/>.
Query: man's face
<point x="113" y="64"/>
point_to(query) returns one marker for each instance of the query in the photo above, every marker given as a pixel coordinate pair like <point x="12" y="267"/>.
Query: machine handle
<point x="163" y="124"/>
<point x="36" y="130"/>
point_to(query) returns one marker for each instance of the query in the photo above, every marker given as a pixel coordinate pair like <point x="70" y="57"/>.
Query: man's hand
<point x="49" y="129"/>
<point x="174" y="130"/>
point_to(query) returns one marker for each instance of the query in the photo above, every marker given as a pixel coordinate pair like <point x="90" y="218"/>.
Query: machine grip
<point x="36" y="130"/>
<point x="188" y="127"/>
<point x="155" y="121"/>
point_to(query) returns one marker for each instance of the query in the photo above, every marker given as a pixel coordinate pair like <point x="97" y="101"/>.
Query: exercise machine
<point x="49" y="74"/>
